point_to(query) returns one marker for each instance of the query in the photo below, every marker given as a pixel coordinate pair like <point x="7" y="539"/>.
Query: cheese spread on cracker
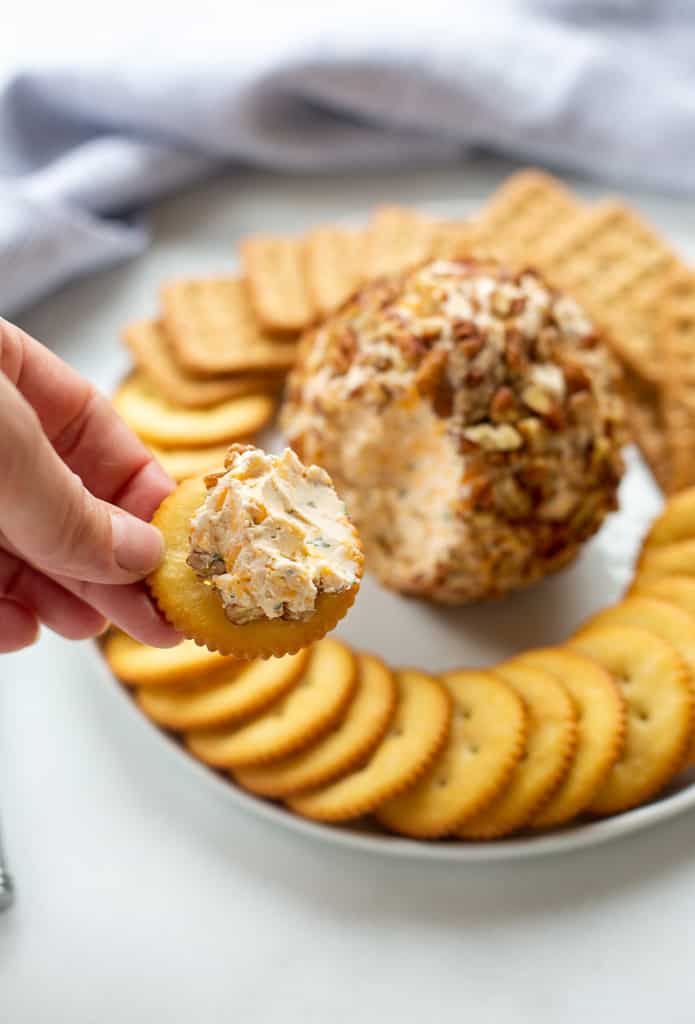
<point x="271" y="535"/>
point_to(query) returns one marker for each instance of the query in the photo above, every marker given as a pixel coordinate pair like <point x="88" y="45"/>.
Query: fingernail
<point x="137" y="546"/>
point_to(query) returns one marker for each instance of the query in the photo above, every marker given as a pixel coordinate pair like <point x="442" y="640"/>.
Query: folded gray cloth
<point x="606" y="88"/>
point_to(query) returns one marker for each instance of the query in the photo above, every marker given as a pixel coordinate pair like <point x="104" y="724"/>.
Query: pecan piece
<point x="500" y="438"/>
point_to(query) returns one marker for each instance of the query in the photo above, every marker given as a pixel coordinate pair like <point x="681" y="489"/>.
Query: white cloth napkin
<point x="607" y="88"/>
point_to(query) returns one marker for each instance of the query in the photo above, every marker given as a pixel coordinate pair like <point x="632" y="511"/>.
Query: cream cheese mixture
<point x="271" y="535"/>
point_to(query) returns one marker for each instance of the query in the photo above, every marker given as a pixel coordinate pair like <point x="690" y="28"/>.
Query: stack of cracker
<point x="206" y="374"/>
<point x="208" y="369"/>
<point x="636" y="288"/>
<point x="209" y="366"/>
<point x="590" y="728"/>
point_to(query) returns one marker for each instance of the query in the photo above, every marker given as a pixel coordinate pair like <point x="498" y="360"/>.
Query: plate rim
<point x="501" y="850"/>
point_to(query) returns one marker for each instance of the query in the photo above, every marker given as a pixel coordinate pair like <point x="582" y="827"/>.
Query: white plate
<point x="404" y="631"/>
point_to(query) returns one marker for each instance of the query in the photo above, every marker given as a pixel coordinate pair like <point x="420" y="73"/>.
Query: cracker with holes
<point x="277" y="284"/>
<point x="213" y="329"/>
<point x="657" y="687"/>
<point x="451" y="240"/>
<point x="237" y="691"/>
<point x="418" y="731"/>
<point x="153" y="354"/>
<point x="525" y="212"/>
<point x="485" y="742"/>
<point x="137" y="664"/>
<point x="260" y="558"/>
<point x="675" y="523"/>
<point x="157" y="421"/>
<point x="333" y="265"/>
<point x="550" y="745"/>
<point x="600" y="730"/>
<point x="317" y="701"/>
<point x="617" y="266"/>
<point x="336" y="754"/>
<point x="676" y="330"/>
<point x="397" y="238"/>
<point x="661" y="617"/>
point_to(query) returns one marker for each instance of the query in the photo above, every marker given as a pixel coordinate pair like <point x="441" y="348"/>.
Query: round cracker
<point x="550" y="746"/>
<point x="655" y="682"/>
<point x="666" y="620"/>
<point x="417" y="732"/>
<point x="667" y="560"/>
<point x="600" y="730"/>
<point x="346" y="746"/>
<point x="180" y="463"/>
<point x="227" y="697"/>
<point x="676" y="521"/>
<point x="485" y="742"/>
<point x="160" y="422"/>
<point x="194" y="609"/>
<point x="139" y="665"/>
<point x="317" y="701"/>
<point x="679" y="590"/>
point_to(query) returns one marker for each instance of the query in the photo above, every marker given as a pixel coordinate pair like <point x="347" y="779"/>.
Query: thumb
<point x="48" y="515"/>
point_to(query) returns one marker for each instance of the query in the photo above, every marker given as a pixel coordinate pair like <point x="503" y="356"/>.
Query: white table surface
<point x="143" y="899"/>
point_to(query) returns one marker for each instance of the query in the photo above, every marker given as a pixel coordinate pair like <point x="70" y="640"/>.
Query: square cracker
<point x="645" y="417"/>
<point x="528" y="210"/>
<point x="213" y="329"/>
<point x="278" y="288"/>
<point x="676" y="325"/>
<point x="333" y="265"/>
<point x="617" y="266"/>
<point x="153" y="354"/>
<point x="397" y="238"/>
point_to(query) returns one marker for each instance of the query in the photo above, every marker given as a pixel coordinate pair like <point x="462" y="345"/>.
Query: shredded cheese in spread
<point x="271" y="535"/>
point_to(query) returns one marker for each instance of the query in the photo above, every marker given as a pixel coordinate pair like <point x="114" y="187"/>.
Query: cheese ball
<point x="470" y="418"/>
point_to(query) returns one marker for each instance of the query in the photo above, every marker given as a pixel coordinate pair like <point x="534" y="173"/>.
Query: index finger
<point x="83" y="427"/>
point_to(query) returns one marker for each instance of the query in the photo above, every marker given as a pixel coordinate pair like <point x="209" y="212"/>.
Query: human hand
<point x="76" y="491"/>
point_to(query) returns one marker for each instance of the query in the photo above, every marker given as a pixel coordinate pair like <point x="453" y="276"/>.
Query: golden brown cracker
<point x="550" y="744"/>
<point x="676" y="521"/>
<point x="277" y="284"/>
<point x="336" y="754"/>
<point x="397" y="238"/>
<point x="659" y="616"/>
<point x="617" y="266"/>
<point x="521" y="217"/>
<point x="194" y="609"/>
<point x="657" y="687"/>
<point x="139" y="665"/>
<point x="600" y="730"/>
<point x="181" y="463"/>
<point x="646" y="422"/>
<point x="451" y="240"/>
<point x="334" y="265"/>
<point x="213" y="329"/>
<point x="676" y="331"/>
<point x="244" y="689"/>
<point x="417" y="732"/>
<point x="667" y="560"/>
<point x="317" y="701"/>
<point x="679" y="590"/>
<point x="486" y="740"/>
<point x="153" y="355"/>
<point x="157" y="421"/>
